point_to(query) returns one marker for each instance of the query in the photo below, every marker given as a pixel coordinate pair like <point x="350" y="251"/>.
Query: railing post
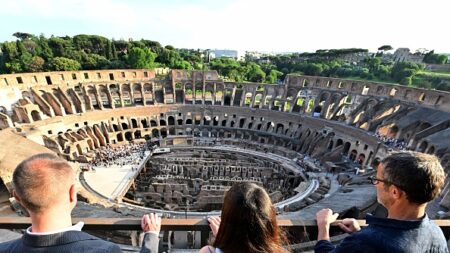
<point x="204" y="237"/>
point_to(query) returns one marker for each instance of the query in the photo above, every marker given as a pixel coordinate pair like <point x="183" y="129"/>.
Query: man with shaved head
<point x="45" y="186"/>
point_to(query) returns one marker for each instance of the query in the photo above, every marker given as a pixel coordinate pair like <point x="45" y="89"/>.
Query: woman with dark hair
<point x="248" y="223"/>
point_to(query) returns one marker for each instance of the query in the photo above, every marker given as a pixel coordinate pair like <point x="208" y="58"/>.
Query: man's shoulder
<point x="70" y="241"/>
<point x="88" y="240"/>
<point x="9" y="245"/>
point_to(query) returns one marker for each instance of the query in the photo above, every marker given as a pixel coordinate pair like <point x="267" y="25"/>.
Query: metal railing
<point x="134" y="224"/>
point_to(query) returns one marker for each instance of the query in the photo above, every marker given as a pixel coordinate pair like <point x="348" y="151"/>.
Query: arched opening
<point x="423" y="146"/>
<point x="241" y="123"/>
<point x="248" y="99"/>
<point x="35" y="115"/>
<point x="128" y="136"/>
<point x="79" y="150"/>
<point x="134" y="123"/>
<point x="257" y="101"/>
<point x="280" y="128"/>
<point x="144" y="123"/>
<point x="153" y="123"/>
<point x="163" y="132"/>
<point x="361" y="159"/>
<point x="171" y="120"/>
<point x="155" y="133"/>
<point x="346" y="148"/>
<point x="137" y="134"/>
<point x="352" y="155"/>
<point x="206" y="120"/>
<point x="330" y="145"/>
<point x="124" y="126"/>
<point x="119" y="137"/>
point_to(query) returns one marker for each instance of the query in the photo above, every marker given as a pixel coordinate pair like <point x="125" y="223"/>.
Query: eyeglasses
<point x="375" y="181"/>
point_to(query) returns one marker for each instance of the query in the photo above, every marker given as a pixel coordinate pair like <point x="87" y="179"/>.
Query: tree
<point x="64" y="64"/>
<point x="36" y="64"/>
<point x="273" y="76"/>
<point x="141" y="58"/>
<point x="385" y="48"/>
<point x="23" y="36"/>
<point x="433" y="58"/>
<point x="254" y="73"/>
<point x="403" y="72"/>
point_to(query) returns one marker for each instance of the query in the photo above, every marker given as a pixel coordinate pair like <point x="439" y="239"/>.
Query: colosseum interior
<point x="175" y="142"/>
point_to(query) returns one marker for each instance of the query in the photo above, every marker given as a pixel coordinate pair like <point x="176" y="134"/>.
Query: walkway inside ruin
<point x="113" y="181"/>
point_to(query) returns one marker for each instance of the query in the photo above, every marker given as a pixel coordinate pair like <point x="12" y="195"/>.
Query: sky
<point x="244" y="25"/>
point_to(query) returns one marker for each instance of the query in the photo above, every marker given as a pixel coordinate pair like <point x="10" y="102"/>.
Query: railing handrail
<point x="168" y="224"/>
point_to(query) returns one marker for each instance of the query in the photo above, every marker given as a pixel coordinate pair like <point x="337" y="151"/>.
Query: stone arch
<point x="241" y="122"/>
<point x="346" y="148"/>
<point x="353" y="154"/>
<point x="423" y="146"/>
<point x="163" y="132"/>
<point x="248" y="99"/>
<point x="279" y="128"/>
<point x="171" y="120"/>
<point x="35" y="115"/>
<point x="144" y="123"/>
<point x="137" y="134"/>
<point x="126" y="94"/>
<point x="128" y="136"/>
<point x="119" y="137"/>
<point x="137" y="94"/>
<point x="361" y="158"/>
<point x="92" y="95"/>
<point x="206" y="120"/>
<point x="115" y="95"/>
<point x="257" y="101"/>
<point x="155" y="133"/>
<point x="103" y="92"/>
<point x="148" y="93"/>
<point x="134" y="123"/>
<point x="27" y="94"/>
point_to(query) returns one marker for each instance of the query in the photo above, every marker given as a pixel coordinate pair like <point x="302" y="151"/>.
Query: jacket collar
<point x="55" y="239"/>
<point x="398" y="224"/>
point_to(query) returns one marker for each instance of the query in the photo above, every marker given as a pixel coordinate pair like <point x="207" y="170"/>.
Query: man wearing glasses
<point x="405" y="183"/>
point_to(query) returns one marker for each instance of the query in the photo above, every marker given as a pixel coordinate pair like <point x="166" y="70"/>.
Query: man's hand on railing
<point x="214" y="224"/>
<point x="151" y="223"/>
<point x="349" y="225"/>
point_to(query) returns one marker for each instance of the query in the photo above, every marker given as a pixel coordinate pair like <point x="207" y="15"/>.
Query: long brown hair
<point x="248" y="222"/>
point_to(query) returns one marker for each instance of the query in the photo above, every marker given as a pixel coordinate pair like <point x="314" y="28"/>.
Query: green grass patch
<point x="357" y="78"/>
<point x="434" y="73"/>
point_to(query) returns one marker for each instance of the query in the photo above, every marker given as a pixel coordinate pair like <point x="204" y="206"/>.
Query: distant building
<point x="403" y="54"/>
<point x="223" y="53"/>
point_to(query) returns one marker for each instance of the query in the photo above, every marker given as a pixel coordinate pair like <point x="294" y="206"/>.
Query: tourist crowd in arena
<point x="391" y="142"/>
<point x="127" y="154"/>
